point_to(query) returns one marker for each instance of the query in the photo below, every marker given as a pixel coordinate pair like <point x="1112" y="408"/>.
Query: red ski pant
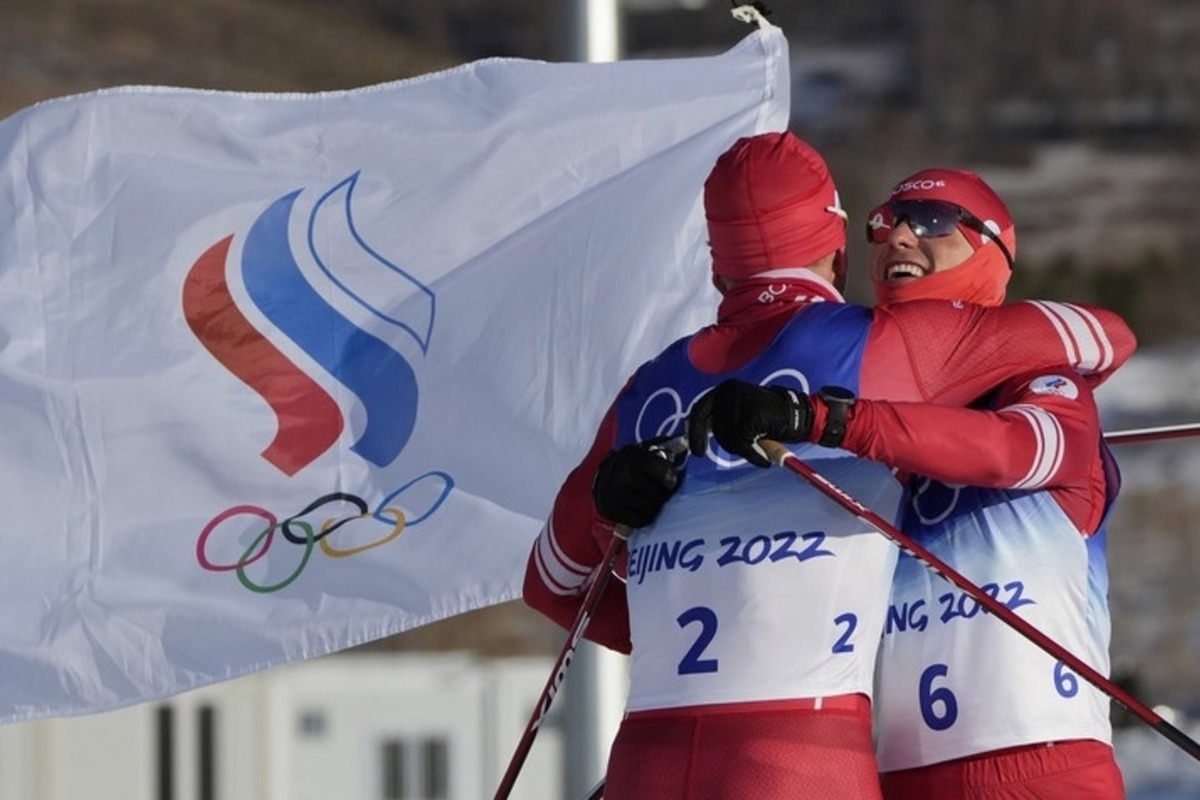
<point x="816" y="749"/>
<point x="1080" y="769"/>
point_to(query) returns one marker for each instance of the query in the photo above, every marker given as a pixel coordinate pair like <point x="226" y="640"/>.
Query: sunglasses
<point x="927" y="219"/>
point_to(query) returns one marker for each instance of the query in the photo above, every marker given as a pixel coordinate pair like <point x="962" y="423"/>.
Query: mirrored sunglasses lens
<point x="927" y="219"/>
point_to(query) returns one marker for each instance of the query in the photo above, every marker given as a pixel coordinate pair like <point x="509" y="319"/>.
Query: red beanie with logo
<point x="965" y="190"/>
<point x="983" y="277"/>
<point x="770" y="203"/>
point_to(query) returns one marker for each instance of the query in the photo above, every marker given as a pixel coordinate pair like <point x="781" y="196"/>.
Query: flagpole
<point x="596" y="30"/>
<point x="595" y="695"/>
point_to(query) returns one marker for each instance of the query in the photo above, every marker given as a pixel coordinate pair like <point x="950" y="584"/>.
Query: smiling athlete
<point x="1013" y="494"/>
<point x="966" y="708"/>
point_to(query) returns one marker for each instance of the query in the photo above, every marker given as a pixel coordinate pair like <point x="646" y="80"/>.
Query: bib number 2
<point x="693" y="662"/>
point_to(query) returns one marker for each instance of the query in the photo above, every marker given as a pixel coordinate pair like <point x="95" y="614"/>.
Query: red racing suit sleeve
<point x="1044" y="434"/>
<point x="952" y="353"/>
<point x="570" y="548"/>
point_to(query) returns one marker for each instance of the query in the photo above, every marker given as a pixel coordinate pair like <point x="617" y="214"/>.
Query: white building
<point x="348" y="727"/>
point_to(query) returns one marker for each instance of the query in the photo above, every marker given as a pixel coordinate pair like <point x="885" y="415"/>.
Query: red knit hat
<point x="771" y="203"/>
<point x="965" y="190"/>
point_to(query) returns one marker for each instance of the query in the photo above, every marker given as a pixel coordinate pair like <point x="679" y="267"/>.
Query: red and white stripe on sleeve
<point x="1083" y="337"/>
<point x="1045" y="435"/>
<point x="560" y="573"/>
<point x="954" y="353"/>
<point x="569" y="549"/>
<point x="1047" y="456"/>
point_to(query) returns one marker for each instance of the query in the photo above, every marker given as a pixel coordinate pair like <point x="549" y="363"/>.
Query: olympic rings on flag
<point x="333" y="552"/>
<point x="330" y="526"/>
<point x="261" y="589"/>
<point x="246" y="559"/>
<point x="309" y="535"/>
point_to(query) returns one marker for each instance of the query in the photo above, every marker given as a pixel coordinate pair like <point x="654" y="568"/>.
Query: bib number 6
<point x="939" y="707"/>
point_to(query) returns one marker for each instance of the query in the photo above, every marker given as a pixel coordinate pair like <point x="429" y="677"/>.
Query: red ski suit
<point x="939" y="352"/>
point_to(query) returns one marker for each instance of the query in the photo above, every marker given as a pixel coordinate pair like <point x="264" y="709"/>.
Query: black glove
<point x="739" y="414"/>
<point x="634" y="483"/>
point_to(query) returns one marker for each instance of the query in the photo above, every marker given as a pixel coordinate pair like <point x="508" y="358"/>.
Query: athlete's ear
<point x="841" y="267"/>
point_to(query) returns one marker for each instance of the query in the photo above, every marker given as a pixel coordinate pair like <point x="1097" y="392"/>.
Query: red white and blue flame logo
<point x="309" y="419"/>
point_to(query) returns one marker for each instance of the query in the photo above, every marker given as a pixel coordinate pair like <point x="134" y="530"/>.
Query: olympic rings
<point x="447" y="485"/>
<point x="326" y="529"/>
<point x="388" y="512"/>
<point x="333" y="552"/>
<point x="929" y="492"/>
<point x="260" y="589"/>
<point x="676" y="419"/>
<point x="202" y="542"/>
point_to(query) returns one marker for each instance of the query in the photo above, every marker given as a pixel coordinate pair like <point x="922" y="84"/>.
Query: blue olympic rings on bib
<point x="663" y="413"/>
<point x="933" y="501"/>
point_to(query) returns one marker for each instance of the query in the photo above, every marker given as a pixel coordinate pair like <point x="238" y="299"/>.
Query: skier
<point x="1013" y="493"/>
<point x="753" y="608"/>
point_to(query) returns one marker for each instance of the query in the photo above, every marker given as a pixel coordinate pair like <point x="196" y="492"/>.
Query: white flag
<point x="283" y="374"/>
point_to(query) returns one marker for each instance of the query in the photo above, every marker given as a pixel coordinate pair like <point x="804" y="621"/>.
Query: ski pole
<point x="671" y="449"/>
<point x="783" y="457"/>
<point x="591" y="600"/>
<point x="1134" y="436"/>
<point x="1153" y="434"/>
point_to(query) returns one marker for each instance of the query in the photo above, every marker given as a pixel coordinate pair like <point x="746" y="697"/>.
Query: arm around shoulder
<point x="1095" y="340"/>
<point x="959" y="351"/>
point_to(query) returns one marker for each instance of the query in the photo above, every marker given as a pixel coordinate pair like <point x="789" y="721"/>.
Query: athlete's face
<point x="905" y="257"/>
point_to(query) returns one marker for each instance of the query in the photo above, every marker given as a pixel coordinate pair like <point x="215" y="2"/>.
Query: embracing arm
<point x="1045" y="434"/>
<point x="570" y="548"/>
<point x="954" y="353"/>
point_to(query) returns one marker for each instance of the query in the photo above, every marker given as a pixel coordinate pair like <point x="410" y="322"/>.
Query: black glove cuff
<point x="801" y="416"/>
<point x="838" y="401"/>
<point x="799" y="420"/>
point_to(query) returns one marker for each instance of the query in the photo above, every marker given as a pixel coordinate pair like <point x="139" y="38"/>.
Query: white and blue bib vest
<point x="751" y="585"/>
<point x="953" y="679"/>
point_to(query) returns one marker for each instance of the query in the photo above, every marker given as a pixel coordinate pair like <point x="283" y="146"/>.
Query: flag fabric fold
<point x="283" y="374"/>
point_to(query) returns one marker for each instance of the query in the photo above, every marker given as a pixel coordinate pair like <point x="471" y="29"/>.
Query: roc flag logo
<point x="309" y="420"/>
